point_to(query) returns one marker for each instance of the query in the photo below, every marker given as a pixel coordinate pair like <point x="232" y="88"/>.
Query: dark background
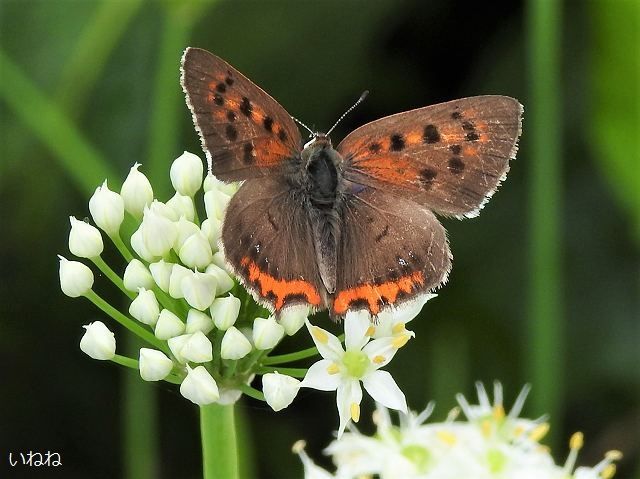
<point x="110" y="69"/>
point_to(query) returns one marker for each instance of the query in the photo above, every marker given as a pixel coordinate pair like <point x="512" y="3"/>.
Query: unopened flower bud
<point x="186" y="228"/>
<point x="199" y="387"/>
<point x="199" y="289"/>
<point x="215" y="203"/>
<point x="136" y="275"/>
<point x="164" y="210"/>
<point x="136" y="192"/>
<point x="196" y="251"/>
<point x="178" y="273"/>
<point x="235" y="345"/>
<point x="107" y="209"/>
<point x="212" y="228"/>
<point x="219" y="260"/>
<point x="211" y="183"/>
<point x="223" y="280"/>
<point x="279" y="390"/>
<point x="197" y="349"/>
<point x="182" y="206"/>
<point x="176" y="344"/>
<point x="145" y="307"/>
<point x="169" y="325"/>
<point x="85" y="240"/>
<point x="154" y="365"/>
<point x="224" y="312"/>
<point x="98" y="342"/>
<point x="198" y="321"/>
<point x="266" y="333"/>
<point x="186" y="174"/>
<point x="140" y="247"/>
<point x="76" y="279"/>
<point x="292" y="318"/>
<point x="161" y="272"/>
<point x="158" y="233"/>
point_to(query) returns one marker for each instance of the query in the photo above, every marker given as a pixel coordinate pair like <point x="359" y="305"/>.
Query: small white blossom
<point x="198" y="321"/>
<point x="266" y="333"/>
<point x="107" y="209"/>
<point x="154" y="365"/>
<point x="161" y="273"/>
<point x="212" y="229"/>
<point x="197" y="349"/>
<point x="235" y="345"/>
<point x="145" y="307"/>
<point x="76" y="279"/>
<point x="311" y="470"/>
<point x="199" y="289"/>
<point x="139" y="246"/>
<point x="164" y="210"/>
<point x="224" y="282"/>
<point x="199" y="387"/>
<point x="224" y="311"/>
<point x="186" y="174"/>
<point x="186" y="228"/>
<point x="85" y="240"/>
<point x="279" y="390"/>
<point x="168" y="325"/>
<point x="178" y="273"/>
<point x="219" y="261"/>
<point x="136" y="192"/>
<point x="392" y="321"/>
<point x="293" y="318"/>
<point x="98" y="342"/>
<point x="196" y="251"/>
<point x="215" y="203"/>
<point x="343" y="369"/>
<point x="136" y="275"/>
<point x="183" y="206"/>
<point x="176" y="344"/>
<point x="158" y="232"/>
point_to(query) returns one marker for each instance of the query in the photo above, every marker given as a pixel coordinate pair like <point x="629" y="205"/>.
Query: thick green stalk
<point x="543" y="133"/>
<point x="219" y="442"/>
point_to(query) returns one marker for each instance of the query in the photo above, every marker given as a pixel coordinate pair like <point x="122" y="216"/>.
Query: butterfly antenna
<point x="360" y="100"/>
<point x="300" y="123"/>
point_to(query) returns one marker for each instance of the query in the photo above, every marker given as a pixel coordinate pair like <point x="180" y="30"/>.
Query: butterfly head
<point x="318" y="140"/>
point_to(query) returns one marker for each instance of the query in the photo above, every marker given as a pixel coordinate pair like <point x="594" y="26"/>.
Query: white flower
<point x="342" y="370"/>
<point x="145" y="307"/>
<point x="235" y="345"/>
<point x="178" y="273"/>
<point x="107" y="209"/>
<point x="164" y="210"/>
<point x="98" y="342"/>
<point x="182" y="206"/>
<point x="199" y="289"/>
<point x="391" y="322"/>
<point x="176" y="344"/>
<point x="224" y="312"/>
<point x="196" y="251"/>
<point x="199" y="387"/>
<point x="139" y="246"/>
<point x="279" y="390"/>
<point x="136" y="192"/>
<point x="197" y="349"/>
<point x="85" y="240"/>
<point x="168" y="325"/>
<point x="311" y="470"/>
<point x="76" y="279"/>
<point x="218" y="259"/>
<point x="215" y="203"/>
<point x="154" y="365"/>
<point x="186" y="228"/>
<point x="266" y="333"/>
<point x="158" y="232"/>
<point x="292" y="318"/>
<point x="186" y="174"/>
<point x="161" y="272"/>
<point x="224" y="282"/>
<point x="212" y="229"/>
<point x="198" y="321"/>
<point x="136" y="275"/>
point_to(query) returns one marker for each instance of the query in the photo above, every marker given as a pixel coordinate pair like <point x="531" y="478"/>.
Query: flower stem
<point x="125" y="361"/>
<point x="124" y="251"/>
<point x="111" y="274"/>
<point x="291" y="357"/>
<point x="295" y="372"/>
<point x="219" y="442"/>
<point x="251" y="392"/>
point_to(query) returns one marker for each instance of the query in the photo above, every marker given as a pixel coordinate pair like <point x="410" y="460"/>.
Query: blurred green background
<point x="545" y="286"/>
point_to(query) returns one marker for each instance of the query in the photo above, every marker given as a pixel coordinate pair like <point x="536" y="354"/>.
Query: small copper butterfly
<point x="352" y="227"/>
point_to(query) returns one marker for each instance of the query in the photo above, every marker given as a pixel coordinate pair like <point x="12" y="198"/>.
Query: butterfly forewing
<point x="448" y="157"/>
<point x="244" y="132"/>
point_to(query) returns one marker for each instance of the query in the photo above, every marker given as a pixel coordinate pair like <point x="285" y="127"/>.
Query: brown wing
<point x="268" y="242"/>
<point x="244" y="132"/>
<point x="450" y="157"/>
<point x="390" y="249"/>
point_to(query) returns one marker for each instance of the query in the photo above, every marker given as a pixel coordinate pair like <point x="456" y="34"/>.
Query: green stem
<point x="111" y="274"/>
<point x="124" y="251"/>
<point x="125" y="361"/>
<point x="291" y="357"/>
<point x="251" y="392"/>
<point x="295" y="372"/>
<point x="219" y="442"/>
<point x="128" y="323"/>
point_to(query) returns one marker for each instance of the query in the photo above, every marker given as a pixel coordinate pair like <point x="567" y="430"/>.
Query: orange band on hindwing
<point x="279" y="290"/>
<point x="376" y="295"/>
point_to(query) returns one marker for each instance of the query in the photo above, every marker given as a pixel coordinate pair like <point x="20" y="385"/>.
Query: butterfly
<point x="351" y="227"/>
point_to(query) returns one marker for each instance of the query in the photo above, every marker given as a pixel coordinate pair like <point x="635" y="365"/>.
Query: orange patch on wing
<point x="280" y="288"/>
<point x="390" y="169"/>
<point x="373" y="293"/>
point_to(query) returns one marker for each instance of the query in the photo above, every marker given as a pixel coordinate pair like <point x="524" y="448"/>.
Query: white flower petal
<point x="349" y="396"/>
<point x="356" y="325"/>
<point x="318" y="377"/>
<point x="279" y="390"/>
<point x="382" y="387"/>
<point x="328" y="345"/>
<point x="199" y="387"/>
<point x="380" y="351"/>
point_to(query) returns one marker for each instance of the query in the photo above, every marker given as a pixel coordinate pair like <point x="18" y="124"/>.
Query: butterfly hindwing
<point x="268" y="242"/>
<point x="391" y="249"/>
<point x="244" y="132"/>
<point x="448" y="157"/>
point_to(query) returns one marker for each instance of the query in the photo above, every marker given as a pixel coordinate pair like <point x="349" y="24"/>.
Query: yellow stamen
<point x="447" y="437"/>
<point x="398" y="328"/>
<point x="333" y="368"/>
<point x="355" y="412"/>
<point x="539" y="431"/>
<point x="518" y="430"/>
<point x="379" y="359"/>
<point x="609" y="471"/>
<point x="298" y="446"/>
<point x="371" y="331"/>
<point x="485" y="426"/>
<point x="320" y="335"/>
<point x="576" y="441"/>
<point x="613" y="455"/>
<point x="400" y="341"/>
<point x="498" y="412"/>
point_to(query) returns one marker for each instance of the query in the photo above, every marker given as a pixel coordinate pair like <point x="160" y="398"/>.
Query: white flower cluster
<point x="182" y="305"/>
<point x="490" y="444"/>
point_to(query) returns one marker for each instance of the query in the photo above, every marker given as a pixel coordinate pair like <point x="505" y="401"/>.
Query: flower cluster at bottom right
<point x="490" y="443"/>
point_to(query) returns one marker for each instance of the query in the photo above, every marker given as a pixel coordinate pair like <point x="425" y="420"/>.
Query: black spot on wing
<point x="231" y="116"/>
<point x="427" y="176"/>
<point x="282" y="135"/>
<point x="247" y="153"/>
<point x="431" y="134"/>
<point x="375" y="147"/>
<point x="456" y="115"/>
<point x="268" y="123"/>
<point x="246" y="107"/>
<point x="455" y="165"/>
<point x="231" y="133"/>
<point x="228" y="80"/>
<point x="382" y="234"/>
<point x="397" y="142"/>
<point x="455" y="149"/>
<point x="218" y="99"/>
<point x="221" y="87"/>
